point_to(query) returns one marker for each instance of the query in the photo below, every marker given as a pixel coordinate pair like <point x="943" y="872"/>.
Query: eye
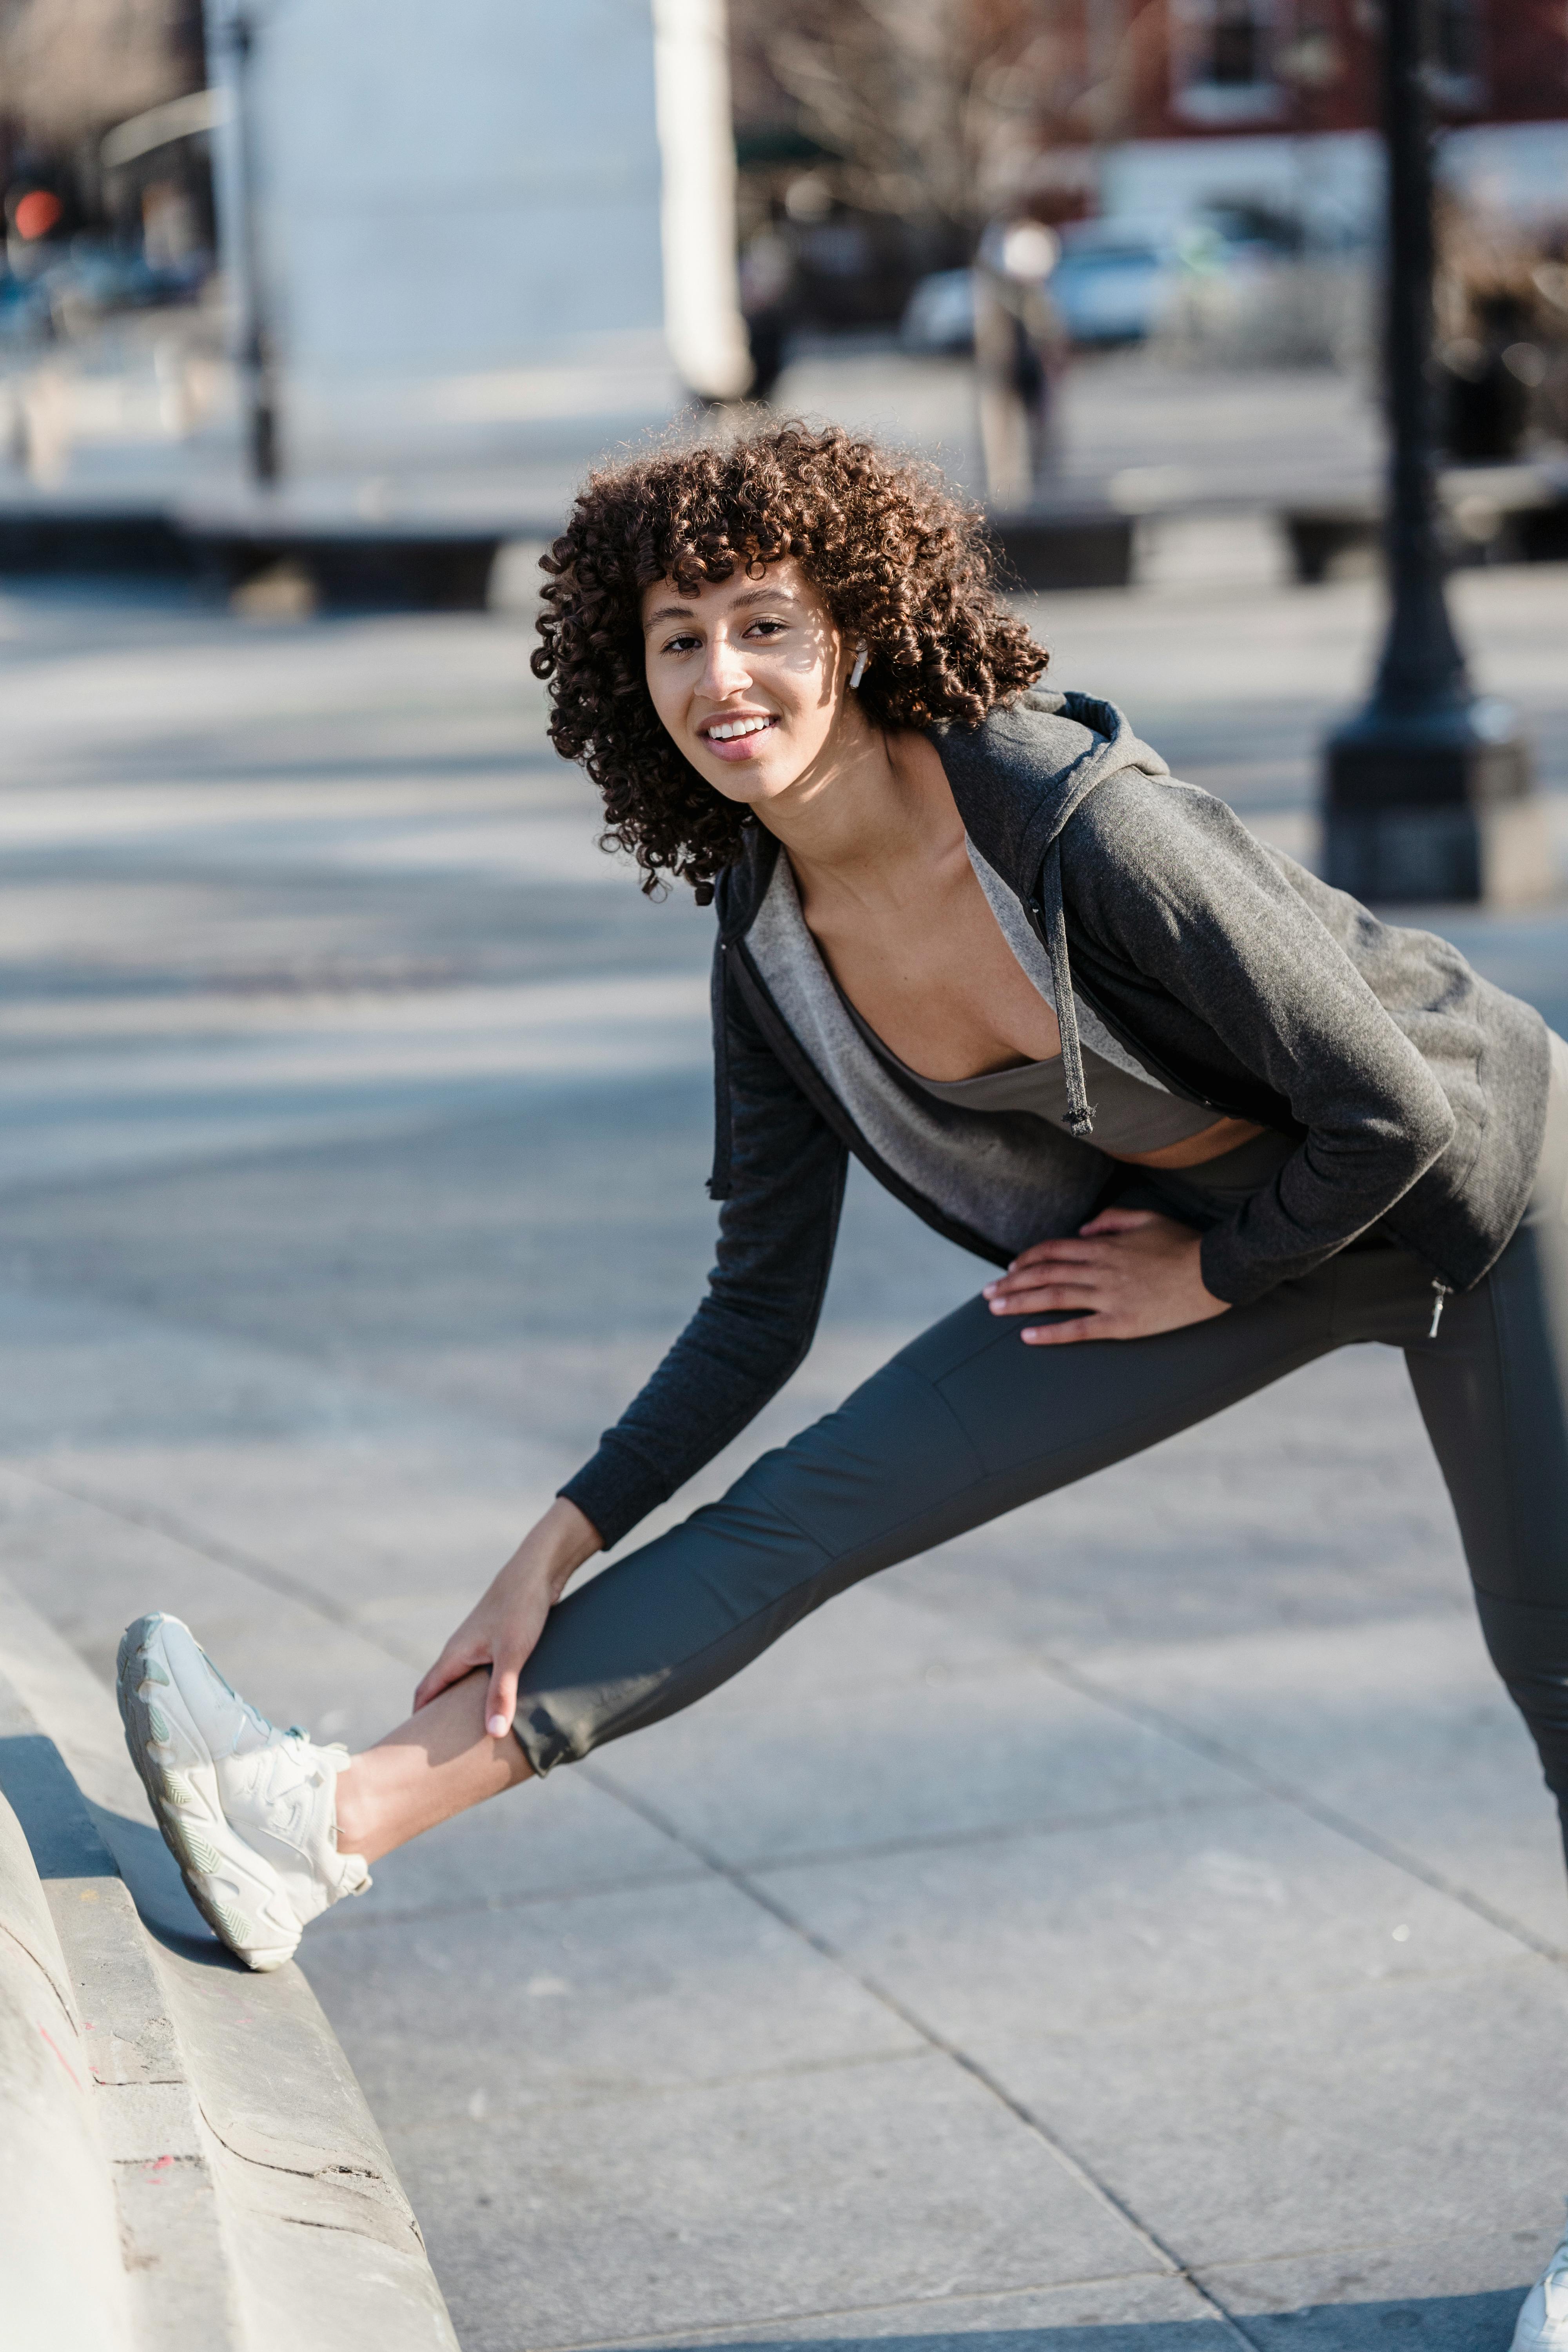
<point x="769" y="629"/>
<point x="682" y="644"/>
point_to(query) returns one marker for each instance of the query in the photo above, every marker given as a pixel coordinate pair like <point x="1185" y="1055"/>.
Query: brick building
<point x="1207" y="96"/>
<point x="1207" y="68"/>
<point x="1149" y="108"/>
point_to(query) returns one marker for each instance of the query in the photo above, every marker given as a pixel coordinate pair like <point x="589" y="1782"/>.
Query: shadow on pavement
<point x="1447" y="2323"/>
<point x="37" y="1784"/>
<point x="68" y="1834"/>
<point x="158" y="1890"/>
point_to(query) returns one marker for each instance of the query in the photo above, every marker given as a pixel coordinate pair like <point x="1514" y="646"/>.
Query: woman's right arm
<point x="500" y="1629"/>
<point x="776" y="1231"/>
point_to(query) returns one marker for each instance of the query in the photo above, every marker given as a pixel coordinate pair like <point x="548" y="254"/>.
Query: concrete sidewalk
<point x="1138" y="1925"/>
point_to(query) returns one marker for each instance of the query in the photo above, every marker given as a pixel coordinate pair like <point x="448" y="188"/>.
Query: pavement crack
<point x="361" y="1922"/>
<point x="223" y="1554"/>
<point x="996" y="1832"/>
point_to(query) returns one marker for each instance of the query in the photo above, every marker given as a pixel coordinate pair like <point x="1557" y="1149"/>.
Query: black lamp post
<point x="1427" y="787"/>
<point x="256" y="353"/>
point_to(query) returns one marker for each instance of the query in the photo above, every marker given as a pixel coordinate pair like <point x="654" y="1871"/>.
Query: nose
<point x="725" y="668"/>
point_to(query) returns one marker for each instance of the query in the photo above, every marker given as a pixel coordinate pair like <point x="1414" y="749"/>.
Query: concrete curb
<point x="418" y="563"/>
<point x="206" y="2174"/>
<point x="62" y="2281"/>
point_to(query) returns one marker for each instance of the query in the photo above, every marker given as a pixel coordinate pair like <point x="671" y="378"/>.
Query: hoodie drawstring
<point x="1050" y="914"/>
<point x="720" y="1183"/>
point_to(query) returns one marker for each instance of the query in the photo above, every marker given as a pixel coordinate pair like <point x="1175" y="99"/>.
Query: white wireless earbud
<point x="859" y="672"/>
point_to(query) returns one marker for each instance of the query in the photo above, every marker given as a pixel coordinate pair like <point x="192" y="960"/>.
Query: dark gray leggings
<point x="967" y="1422"/>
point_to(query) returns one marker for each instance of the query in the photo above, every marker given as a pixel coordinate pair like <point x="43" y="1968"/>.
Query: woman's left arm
<point x="1164" y="882"/>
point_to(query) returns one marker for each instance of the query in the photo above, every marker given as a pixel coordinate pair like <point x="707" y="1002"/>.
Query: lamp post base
<point x="1494" y="856"/>
<point x="1436" y="805"/>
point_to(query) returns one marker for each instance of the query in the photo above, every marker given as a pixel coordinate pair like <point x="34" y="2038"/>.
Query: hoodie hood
<point x="1017" y="778"/>
<point x="1024" y="772"/>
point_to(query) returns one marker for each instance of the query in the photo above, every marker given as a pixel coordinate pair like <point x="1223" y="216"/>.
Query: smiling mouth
<point x="733" y="730"/>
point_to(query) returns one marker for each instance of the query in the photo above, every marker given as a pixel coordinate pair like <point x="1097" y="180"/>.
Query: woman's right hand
<point x="500" y="1630"/>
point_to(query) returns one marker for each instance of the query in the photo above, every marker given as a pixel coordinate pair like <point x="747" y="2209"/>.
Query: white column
<point x="696" y="158"/>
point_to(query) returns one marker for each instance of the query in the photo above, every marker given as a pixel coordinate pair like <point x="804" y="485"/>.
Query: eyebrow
<point x="684" y="611"/>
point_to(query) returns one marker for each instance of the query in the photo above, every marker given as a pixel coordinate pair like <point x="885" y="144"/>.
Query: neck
<point x="869" y="806"/>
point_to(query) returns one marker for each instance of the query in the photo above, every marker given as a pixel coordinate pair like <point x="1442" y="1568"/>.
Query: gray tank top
<point x="1129" y="1116"/>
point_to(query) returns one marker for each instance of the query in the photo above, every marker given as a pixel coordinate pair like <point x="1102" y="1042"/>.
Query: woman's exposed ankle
<point x="355" y="1816"/>
<point x="437" y="1764"/>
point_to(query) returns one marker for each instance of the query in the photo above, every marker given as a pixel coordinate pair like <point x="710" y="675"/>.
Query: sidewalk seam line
<point x="725" y="2329"/>
<point x="156" y="1521"/>
<point x="1071" y="2164"/>
<point x="1287" y="1792"/>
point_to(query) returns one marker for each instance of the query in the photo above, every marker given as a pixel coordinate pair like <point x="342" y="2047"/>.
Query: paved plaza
<point x="1136" y="1927"/>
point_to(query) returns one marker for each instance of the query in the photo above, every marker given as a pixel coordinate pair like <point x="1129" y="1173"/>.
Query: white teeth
<point x="726" y="734"/>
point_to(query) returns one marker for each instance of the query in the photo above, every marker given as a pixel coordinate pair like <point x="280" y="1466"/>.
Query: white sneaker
<point x="250" y="1813"/>
<point x="1542" y="2322"/>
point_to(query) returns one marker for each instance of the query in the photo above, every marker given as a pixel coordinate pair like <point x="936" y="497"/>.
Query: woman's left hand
<point x="1126" y="1274"/>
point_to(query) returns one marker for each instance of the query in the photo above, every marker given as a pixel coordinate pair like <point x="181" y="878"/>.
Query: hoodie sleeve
<point x="776" y="1232"/>
<point x="1167" y="880"/>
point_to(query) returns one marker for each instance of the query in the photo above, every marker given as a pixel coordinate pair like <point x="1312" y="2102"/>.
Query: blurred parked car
<point x="1115" y="281"/>
<point x="940" y="314"/>
<point x="87" y="280"/>
<point x="25" y="315"/>
<point x="1118" y="279"/>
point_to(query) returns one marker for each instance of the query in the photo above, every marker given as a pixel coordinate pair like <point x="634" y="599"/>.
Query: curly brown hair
<point x="900" y="563"/>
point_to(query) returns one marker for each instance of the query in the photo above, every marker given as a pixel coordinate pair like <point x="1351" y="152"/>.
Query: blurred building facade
<point x="1209" y="94"/>
<point x="71" y="69"/>
<point x="1208" y="68"/>
<point x="71" y="72"/>
<point x="881" y="135"/>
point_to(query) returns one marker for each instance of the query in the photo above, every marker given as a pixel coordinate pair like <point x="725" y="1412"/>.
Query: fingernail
<point x="498" y="1727"/>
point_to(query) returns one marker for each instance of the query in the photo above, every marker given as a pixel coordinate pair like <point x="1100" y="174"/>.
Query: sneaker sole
<point x="143" y="1726"/>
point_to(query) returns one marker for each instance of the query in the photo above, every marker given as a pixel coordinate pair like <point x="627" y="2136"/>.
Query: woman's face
<point x="748" y="676"/>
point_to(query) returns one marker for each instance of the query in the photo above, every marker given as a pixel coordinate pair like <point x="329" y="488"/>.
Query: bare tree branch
<point x="68" y="69"/>
<point x="935" y="108"/>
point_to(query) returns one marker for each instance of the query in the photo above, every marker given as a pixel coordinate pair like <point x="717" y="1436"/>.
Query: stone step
<point x="207" y="2173"/>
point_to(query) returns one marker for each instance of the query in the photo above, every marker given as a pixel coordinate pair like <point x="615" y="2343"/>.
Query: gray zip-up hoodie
<point x="1183" y="949"/>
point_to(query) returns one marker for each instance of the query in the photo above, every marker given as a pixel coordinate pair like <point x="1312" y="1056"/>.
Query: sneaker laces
<point x="327" y="1760"/>
<point x="259" y="1722"/>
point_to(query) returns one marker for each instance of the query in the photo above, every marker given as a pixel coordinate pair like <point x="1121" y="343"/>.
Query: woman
<point x="1208" y="1118"/>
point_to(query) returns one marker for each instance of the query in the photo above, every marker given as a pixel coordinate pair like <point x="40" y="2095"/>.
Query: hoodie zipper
<point x="722" y="1182"/>
<point x="1445" y="1291"/>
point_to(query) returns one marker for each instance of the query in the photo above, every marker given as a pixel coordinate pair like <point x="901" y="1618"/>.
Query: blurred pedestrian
<point x="1209" y="1118"/>
<point x="1499" y="329"/>
<point x="768" y="278"/>
<point x="1020" y="350"/>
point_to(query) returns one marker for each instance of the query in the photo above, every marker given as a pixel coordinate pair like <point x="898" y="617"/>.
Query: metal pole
<point x="254" y="341"/>
<point x="1427" y="787"/>
<point x="1422" y="664"/>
